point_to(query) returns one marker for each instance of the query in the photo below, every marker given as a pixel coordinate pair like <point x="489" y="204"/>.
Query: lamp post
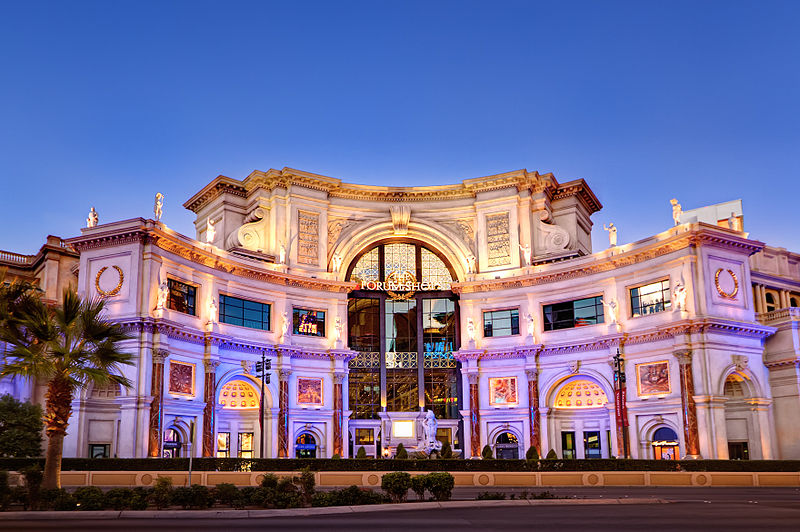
<point x="261" y="370"/>
<point x="620" y="403"/>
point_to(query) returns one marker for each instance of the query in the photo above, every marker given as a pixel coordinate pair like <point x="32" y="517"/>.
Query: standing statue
<point x="529" y="319"/>
<point x="163" y="295"/>
<point x="733" y="223"/>
<point x="676" y="211"/>
<point x="212" y="311"/>
<point x="470" y="329"/>
<point x="282" y="254"/>
<point x="429" y="424"/>
<point x="612" y="306"/>
<point x="284" y="324"/>
<point x="612" y="235"/>
<point x="211" y="231"/>
<point x="158" y="208"/>
<point x="336" y="261"/>
<point x="92" y="219"/>
<point x="471" y="264"/>
<point x="337" y="328"/>
<point x="679" y="296"/>
<point x="526" y="252"/>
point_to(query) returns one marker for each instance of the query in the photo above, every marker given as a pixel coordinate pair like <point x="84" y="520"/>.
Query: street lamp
<point x="620" y="399"/>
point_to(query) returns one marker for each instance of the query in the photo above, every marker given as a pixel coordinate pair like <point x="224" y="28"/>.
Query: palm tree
<point x="70" y="346"/>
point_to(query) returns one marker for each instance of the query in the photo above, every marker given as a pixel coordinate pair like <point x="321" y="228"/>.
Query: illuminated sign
<point x="398" y="285"/>
<point x="308" y="324"/>
<point x="402" y="429"/>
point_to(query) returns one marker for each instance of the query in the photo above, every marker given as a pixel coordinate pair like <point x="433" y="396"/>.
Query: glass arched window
<point x="306" y="446"/>
<point x="507" y="446"/>
<point x="238" y="395"/>
<point x="665" y="444"/>
<point x="399" y="259"/>
<point x="172" y="444"/>
<point x="770" y="299"/>
<point x="581" y="393"/>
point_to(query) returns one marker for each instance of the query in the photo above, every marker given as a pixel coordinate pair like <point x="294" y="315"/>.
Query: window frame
<point x="599" y="317"/>
<point x="193" y="286"/>
<point x="511" y="318"/>
<point x="268" y="304"/>
<point x="320" y="334"/>
<point x="632" y="312"/>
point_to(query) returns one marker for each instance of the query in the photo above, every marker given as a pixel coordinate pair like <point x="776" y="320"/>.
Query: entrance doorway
<point x="172" y="444"/>
<point x="306" y="446"/>
<point x="507" y="446"/>
<point x="665" y="444"/>
<point x="737" y="450"/>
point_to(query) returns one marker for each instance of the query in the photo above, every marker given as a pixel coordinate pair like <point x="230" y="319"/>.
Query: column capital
<point x="284" y="373"/>
<point x="211" y="365"/>
<point x="684" y="356"/>
<point x="339" y="377"/>
<point x="532" y="374"/>
<point x="473" y="378"/>
<point x="160" y="356"/>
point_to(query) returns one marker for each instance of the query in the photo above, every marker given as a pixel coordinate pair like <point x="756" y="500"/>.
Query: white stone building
<point x="481" y="301"/>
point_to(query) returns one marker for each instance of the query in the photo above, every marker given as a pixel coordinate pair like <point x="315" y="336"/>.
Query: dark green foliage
<point x="491" y="496"/>
<point x="551" y="455"/>
<point x="419" y="483"/>
<point x="250" y="496"/>
<point x="396" y="485"/>
<point x="141" y="498"/>
<point x="447" y="452"/>
<point x="486" y="453"/>
<point x="33" y="482"/>
<point x="531" y="453"/>
<point x="59" y="500"/>
<point x="336" y="457"/>
<point x="441" y="485"/>
<point x="89" y="498"/>
<point x="401" y="453"/>
<point x="545" y="495"/>
<point x="361" y="454"/>
<point x="119" y="498"/>
<point x="20" y="428"/>
<point x="270" y="480"/>
<point x="200" y="497"/>
<point x="351" y="496"/>
<point x="5" y="491"/>
<point x="161" y="496"/>
<point x="226" y="494"/>
<point x="306" y="482"/>
<point x="181" y="496"/>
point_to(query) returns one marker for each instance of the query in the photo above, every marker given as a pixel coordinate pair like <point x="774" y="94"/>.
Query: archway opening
<point x="507" y="446"/>
<point x="739" y="420"/>
<point x="665" y="444"/>
<point x="581" y="426"/>
<point x="306" y="446"/>
<point x="172" y="443"/>
<point x="237" y="420"/>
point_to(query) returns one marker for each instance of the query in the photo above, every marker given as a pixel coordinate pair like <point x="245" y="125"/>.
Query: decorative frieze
<point x="498" y="239"/>
<point x="308" y="238"/>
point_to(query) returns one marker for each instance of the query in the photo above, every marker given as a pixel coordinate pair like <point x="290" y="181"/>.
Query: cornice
<point x="219" y="186"/>
<point x="110" y="235"/>
<point x="581" y="190"/>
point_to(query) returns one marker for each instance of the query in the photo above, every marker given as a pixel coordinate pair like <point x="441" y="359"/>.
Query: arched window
<point x="172" y="444"/>
<point x="770" y="302"/>
<point x="306" y="446"/>
<point x="665" y="444"/>
<point x="793" y="301"/>
<point x="238" y="395"/>
<point x="507" y="446"/>
<point x="397" y="260"/>
<point x="581" y="393"/>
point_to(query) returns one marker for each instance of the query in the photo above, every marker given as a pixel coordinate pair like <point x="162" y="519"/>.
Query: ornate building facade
<point x="480" y="301"/>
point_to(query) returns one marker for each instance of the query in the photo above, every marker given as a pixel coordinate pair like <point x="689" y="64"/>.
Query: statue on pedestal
<point x="676" y="211"/>
<point x="529" y="318"/>
<point x="158" y="207"/>
<point x="337" y="332"/>
<point x="471" y="264"/>
<point x="612" y="235"/>
<point x="211" y="231"/>
<point x="527" y="253"/>
<point x="284" y="325"/>
<point x="679" y="296"/>
<point x="471" y="330"/>
<point x="336" y="261"/>
<point x="733" y="223"/>
<point x="612" y="306"/>
<point x="429" y="425"/>
<point x="282" y="254"/>
<point x="92" y="219"/>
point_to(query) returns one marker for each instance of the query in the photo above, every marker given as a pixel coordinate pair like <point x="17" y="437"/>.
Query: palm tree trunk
<point x="58" y="407"/>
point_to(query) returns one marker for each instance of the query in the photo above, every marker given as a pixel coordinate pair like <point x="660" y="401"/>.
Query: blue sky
<point x="107" y="103"/>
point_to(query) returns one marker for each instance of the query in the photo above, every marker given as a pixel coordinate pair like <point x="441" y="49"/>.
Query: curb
<point x="305" y="512"/>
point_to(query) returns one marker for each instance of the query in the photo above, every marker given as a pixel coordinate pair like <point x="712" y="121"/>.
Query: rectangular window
<point x="182" y="297"/>
<point x="501" y="322"/>
<point x="99" y="450"/>
<point x="308" y="322"/>
<point x="650" y="298"/>
<point x="365" y="437"/>
<point x="591" y="444"/>
<point x="578" y="313"/>
<point x="245" y="445"/>
<point x="223" y="444"/>
<point x="244" y="312"/>
<point x="568" y="445"/>
<point x="443" y="435"/>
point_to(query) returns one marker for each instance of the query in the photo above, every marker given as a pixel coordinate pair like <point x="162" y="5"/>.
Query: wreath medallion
<point x="114" y="291"/>
<point x="720" y="290"/>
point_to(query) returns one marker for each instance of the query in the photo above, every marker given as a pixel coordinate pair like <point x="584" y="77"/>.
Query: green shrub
<point x="250" y="495"/>
<point x="270" y="480"/>
<point x="321" y="499"/>
<point x="350" y="496"/>
<point x="58" y="499"/>
<point x="441" y="485"/>
<point x="491" y="496"/>
<point x="361" y="454"/>
<point x="201" y="497"/>
<point x="531" y="453"/>
<point x="226" y="494"/>
<point x="19" y="495"/>
<point x="306" y="482"/>
<point x="396" y="485"/>
<point x="401" y="453"/>
<point x="447" y="452"/>
<point x="419" y="483"/>
<point x="336" y="456"/>
<point x="119" y="498"/>
<point x="5" y="491"/>
<point x="486" y="453"/>
<point x="141" y="498"/>
<point x="551" y="455"/>
<point x="33" y="482"/>
<point x="161" y="496"/>
<point x="89" y="498"/>
<point x="544" y="495"/>
<point x="181" y="496"/>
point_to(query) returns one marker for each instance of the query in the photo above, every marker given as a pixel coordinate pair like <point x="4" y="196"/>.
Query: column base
<point x="692" y="457"/>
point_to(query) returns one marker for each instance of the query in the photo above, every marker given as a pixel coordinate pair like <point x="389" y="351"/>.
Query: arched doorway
<point x="739" y="422"/>
<point x="172" y="443"/>
<point x="579" y="423"/>
<point x="102" y="421"/>
<point x="238" y="430"/>
<point x="506" y="446"/>
<point x="306" y="446"/>
<point x="665" y="444"/>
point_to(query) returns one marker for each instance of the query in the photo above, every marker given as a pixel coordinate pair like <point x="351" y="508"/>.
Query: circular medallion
<point x="728" y="288"/>
<point x="114" y="291"/>
<point x="405" y="278"/>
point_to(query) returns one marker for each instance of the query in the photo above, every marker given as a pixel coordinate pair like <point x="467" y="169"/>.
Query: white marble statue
<point x="429" y="425"/>
<point x="527" y="253"/>
<point x="612" y="309"/>
<point x="211" y="231"/>
<point x="337" y="329"/>
<point x="282" y="254"/>
<point x="529" y="319"/>
<point x="676" y="211"/>
<point x="212" y="310"/>
<point x="612" y="234"/>
<point x="471" y="264"/>
<point x="92" y="219"/>
<point x="158" y="207"/>
<point x="733" y="223"/>
<point x="470" y="329"/>
<point x="284" y="324"/>
<point x="336" y="261"/>
<point x="163" y="295"/>
<point x="679" y="296"/>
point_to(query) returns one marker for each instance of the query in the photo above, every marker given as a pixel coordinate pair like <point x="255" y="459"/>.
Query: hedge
<point x="322" y="464"/>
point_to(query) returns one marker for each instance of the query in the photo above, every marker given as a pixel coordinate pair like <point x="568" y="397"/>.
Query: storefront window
<point x="308" y="322"/>
<point x="181" y="297"/>
<point x="245" y="445"/>
<point x="650" y="298"/>
<point x="223" y="444"/>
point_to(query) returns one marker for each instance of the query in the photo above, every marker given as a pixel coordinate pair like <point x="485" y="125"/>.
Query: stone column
<point x="533" y="410"/>
<point x="157" y="404"/>
<point x="688" y="407"/>
<point x="283" y="414"/>
<point x="474" y="416"/>
<point x="338" y="446"/>
<point x="210" y="396"/>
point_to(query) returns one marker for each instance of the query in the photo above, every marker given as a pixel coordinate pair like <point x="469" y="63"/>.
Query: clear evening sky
<point x="107" y="103"/>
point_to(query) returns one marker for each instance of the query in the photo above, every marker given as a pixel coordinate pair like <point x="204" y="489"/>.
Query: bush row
<point x="368" y="464"/>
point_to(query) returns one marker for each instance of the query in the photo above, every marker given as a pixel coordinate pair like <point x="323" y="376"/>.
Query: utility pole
<point x="261" y="370"/>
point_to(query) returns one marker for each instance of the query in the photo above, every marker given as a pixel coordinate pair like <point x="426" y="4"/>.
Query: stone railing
<point x="15" y="258"/>
<point x="782" y="314"/>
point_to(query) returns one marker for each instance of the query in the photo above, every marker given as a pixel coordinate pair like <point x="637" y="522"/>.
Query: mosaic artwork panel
<point x="309" y="391"/>
<point x="181" y="378"/>
<point x="503" y="391"/>
<point x="653" y="378"/>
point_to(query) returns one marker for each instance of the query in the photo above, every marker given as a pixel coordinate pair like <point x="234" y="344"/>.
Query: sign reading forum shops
<point x="399" y="285"/>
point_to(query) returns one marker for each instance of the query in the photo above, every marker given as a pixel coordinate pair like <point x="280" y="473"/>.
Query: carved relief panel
<point x="498" y="239"/>
<point x="308" y="237"/>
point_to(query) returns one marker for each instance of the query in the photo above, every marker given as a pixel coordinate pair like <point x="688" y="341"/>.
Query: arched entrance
<point x="506" y="446"/>
<point x="739" y="417"/>
<point x="172" y="443"/>
<point x="238" y="430"/>
<point x="101" y="414"/>
<point x="580" y="421"/>
<point x="403" y="322"/>
<point x="665" y="444"/>
<point x="306" y="446"/>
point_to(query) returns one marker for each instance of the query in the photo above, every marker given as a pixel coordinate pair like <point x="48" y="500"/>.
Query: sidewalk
<point x="328" y="510"/>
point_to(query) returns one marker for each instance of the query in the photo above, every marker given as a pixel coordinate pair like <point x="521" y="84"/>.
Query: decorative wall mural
<point x="653" y="378"/>
<point x="503" y="391"/>
<point x="181" y="378"/>
<point x="309" y="391"/>
<point x="498" y="239"/>
<point x="308" y="237"/>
